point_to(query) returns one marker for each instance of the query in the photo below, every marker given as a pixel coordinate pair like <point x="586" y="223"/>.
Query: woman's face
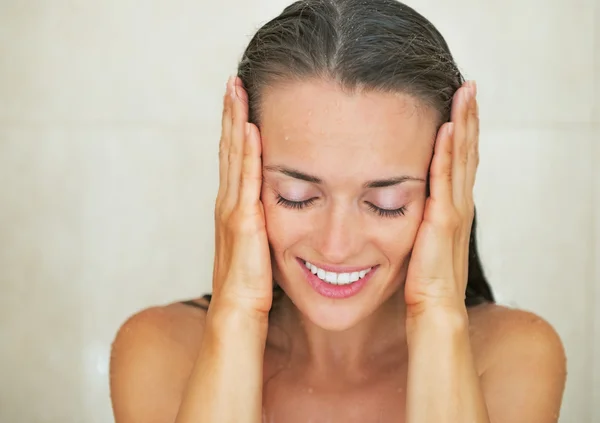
<point x="344" y="189"/>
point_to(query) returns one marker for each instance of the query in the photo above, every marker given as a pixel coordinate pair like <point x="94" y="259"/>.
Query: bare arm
<point x="157" y="367"/>
<point x="523" y="383"/>
<point x="226" y="382"/>
<point x="225" y="385"/>
<point x="443" y="384"/>
<point x="526" y="380"/>
<point x="222" y="381"/>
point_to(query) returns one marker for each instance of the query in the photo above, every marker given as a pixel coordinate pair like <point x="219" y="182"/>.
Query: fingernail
<point x="247" y="129"/>
<point x="450" y="129"/>
<point x="232" y="92"/>
<point x="228" y="91"/>
<point x="468" y="94"/>
<point x="237" y="93"/>
<point x="473" y="88"/>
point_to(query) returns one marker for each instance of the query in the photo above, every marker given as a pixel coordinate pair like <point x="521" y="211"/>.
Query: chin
<point x="335" y="309"/>
<point x="334" y="317"/>
<point x="328" y="314"/>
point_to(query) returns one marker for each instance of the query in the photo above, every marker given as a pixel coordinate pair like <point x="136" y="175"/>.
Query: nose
<point x="338" y="237"/>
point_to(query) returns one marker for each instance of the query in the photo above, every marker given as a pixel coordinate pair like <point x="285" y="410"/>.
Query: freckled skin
<point x="345" y="140"/>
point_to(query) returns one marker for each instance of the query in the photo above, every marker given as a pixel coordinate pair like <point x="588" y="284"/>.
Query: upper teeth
<point x="336" y="278"/>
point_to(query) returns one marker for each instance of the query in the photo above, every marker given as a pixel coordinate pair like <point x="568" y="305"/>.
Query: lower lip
<point x="335" y="291"/>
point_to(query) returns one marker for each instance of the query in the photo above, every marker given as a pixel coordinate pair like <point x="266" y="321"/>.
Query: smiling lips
<point x="344" y="283"/>
<point x="336" y="278"/>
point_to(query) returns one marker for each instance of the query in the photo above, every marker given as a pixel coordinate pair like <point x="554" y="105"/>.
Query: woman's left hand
<point x="438" y="268"/>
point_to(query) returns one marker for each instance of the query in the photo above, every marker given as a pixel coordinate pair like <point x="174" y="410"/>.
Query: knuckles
<point x="448" y="221"/>
<point x="442" y="216"/>
<point x="240" y="220"/>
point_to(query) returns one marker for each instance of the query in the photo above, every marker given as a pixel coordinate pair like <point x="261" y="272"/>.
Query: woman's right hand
<point x="242" y="276"/>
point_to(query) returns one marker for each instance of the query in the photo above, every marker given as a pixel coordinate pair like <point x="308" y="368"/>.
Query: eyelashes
<point x="299" y="205"/>
<point x="386" y="212"/>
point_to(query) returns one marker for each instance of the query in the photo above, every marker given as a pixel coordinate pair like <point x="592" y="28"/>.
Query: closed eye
<point x="387" y="212"/>
<point x="299" y="205"/>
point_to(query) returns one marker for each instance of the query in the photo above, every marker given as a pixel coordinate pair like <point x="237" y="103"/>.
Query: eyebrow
<point x="377" y="183"/>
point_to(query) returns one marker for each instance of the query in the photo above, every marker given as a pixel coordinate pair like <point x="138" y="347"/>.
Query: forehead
<point x="317" y="124"/>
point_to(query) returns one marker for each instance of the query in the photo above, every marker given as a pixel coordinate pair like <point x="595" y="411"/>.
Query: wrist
<point x="223" y="318"/>
<point x="438" y="322"/>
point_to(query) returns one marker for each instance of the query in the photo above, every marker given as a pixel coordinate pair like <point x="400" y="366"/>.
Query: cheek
<point x="398" y="239"/>
<point x="398" y="242"/>
<point x="284" y="227"/>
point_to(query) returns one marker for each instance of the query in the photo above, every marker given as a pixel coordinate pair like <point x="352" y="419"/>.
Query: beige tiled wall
<point x="109" y="121"/>
<point x="595" y="281"/>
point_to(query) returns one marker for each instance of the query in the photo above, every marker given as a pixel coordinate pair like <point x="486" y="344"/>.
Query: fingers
<point x="465" y="154"/>
<point x="239" y="118"/>
<point x="440" y="172"/>
<point x="251" y="169"/>
<point x="473" y="147"/>
<point x="456" y="157"/>
<point x="224" y="142"/>
<point x="459" y="148"/>
<point x="240" y="165"/>
<point x="470" y="157"/>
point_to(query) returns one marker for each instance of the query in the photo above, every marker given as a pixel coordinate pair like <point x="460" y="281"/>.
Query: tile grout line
<point x="593" y="315"/>
<point x="195" y="125"/>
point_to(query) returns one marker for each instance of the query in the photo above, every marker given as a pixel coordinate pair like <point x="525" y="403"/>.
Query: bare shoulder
<point x="497" y="330"/>
<point x="151" y="358"/>
<point x="522" y="361"/>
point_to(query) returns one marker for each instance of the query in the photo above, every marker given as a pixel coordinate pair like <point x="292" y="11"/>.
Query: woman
<point x="347" y="286"/>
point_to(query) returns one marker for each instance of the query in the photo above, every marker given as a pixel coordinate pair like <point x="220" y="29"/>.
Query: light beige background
<point x="109" y="125"/>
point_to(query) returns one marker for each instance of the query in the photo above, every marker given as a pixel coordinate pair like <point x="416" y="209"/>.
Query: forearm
<point x="443" y="385"/>
<point x="226" y="383"/>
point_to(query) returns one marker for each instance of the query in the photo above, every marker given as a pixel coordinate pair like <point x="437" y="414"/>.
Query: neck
<point x="351" y="350"/>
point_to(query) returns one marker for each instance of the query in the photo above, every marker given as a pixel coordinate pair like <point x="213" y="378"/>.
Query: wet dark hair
<point x="363" y="45"/>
